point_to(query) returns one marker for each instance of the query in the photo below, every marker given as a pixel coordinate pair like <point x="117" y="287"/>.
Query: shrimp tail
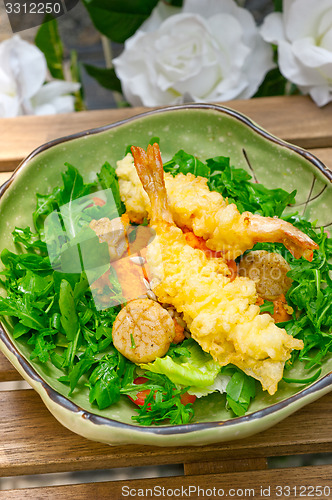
<point x="149" y="167"/>
<point x="270" y="229"/>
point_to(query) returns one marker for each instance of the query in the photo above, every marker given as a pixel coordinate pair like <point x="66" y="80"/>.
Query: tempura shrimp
<point x="209" y="215"/>
<point x="221" y="314"/>
<point x="143" y="331"/>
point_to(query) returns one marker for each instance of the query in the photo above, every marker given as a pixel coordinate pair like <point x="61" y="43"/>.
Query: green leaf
<point x="104" y="384"/>
<point x="267" y="307"/>
<point x="278" y="5"/>
<point x="184" y="163"/>
<point x="73" y="186"/>
<point x="29" y="240"/>
<point x="83" y="365"/>
<point x="22" y="309"/>
<point x="42" y="346"/>
<point x="69" y="319"/>
<point x="240" y="390"/>
<point x="175" y="3"/>
<point x="75" y="72"/>
<point x="106" y="77"/>
<point x="49" y="42"/>
<point x="45" y="205"/>
<point x="198" y="369"/>
<point x="108" y="180"/>
<point x="119" y="20"/>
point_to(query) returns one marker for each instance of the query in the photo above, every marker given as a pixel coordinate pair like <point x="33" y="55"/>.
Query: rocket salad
<point x="55" y="313"/>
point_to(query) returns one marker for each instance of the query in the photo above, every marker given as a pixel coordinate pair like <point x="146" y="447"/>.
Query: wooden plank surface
<point x="288" y="483"/>
<point x="32" y="441"/>
<point x="296" y="119"/>
<point x="7" y="371"/>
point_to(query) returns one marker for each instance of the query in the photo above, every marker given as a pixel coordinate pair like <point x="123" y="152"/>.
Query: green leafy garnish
<point x="240" y="390"/>
<point x="163" y="403"/>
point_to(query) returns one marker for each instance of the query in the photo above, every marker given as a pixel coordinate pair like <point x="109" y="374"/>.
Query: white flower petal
<point x="312" y="56"/>
<point x="272" y="29"/>
<point x="294" y="69"/>
<point x="302" y="17"/>
<point x="161" y="12"/>
<point x="256" y="67"/>
<point x="304" y="45"/>
<point x="54" y="89"/>
<point x="45" y="109"/>
<point x="28" y="66"/>
<point x="321" y="95"/>
<point x="9" y="106"/>
<point x="64" y="104"/>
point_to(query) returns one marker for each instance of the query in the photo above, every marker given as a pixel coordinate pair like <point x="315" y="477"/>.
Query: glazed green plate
<point x="205" y="131"/>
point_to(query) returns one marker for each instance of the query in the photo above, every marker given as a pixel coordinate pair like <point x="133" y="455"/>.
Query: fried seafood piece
<point x="143" y="331"/>
<point x="221" y="314"/>
<point x="113" y="232"/>
<point x="269" y="271"/>
<point x="208" y="215"/>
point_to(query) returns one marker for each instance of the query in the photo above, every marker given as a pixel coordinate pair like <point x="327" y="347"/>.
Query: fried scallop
<point x="143" y="331"/>
<point x="269" y="271"/>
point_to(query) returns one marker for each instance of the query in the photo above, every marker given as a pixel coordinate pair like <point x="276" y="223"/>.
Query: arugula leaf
<point x="183" y="162"/>
<point x="69" y="319"/>
<point x="239" y="391"/>
<point x="109" y="180"/>
<point x="162" y="403"/>
<point x="81" y="367"/>
<point x="42" y="347"/>
<point x="104" y="384"/>
<point x="29" y="240"/>
<point x="267" y="307"/>
<point x="22" y="309"/>
<point x="73" y="186"/>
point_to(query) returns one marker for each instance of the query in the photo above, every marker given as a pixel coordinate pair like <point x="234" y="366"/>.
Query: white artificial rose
<point x="55" y="97"/>
<point x="210" y="51"/>
<point x="23" y="71"/>
<point x="303" y="33"/>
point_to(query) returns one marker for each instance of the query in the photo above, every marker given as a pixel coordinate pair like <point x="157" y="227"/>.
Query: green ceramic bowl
<point x="205" y="131"/>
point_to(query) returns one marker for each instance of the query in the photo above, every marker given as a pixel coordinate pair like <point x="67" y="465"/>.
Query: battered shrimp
<point x="143" y="331"/>
<point x="208" y="215"/>
<point x="221" y="314"/>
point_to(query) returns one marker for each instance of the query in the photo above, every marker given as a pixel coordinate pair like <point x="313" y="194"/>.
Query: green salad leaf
<point x="198" y="369"/>
<point x="240" y="390"/>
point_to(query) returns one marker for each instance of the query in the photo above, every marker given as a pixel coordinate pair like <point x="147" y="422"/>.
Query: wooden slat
<point x="7" y="371"/>
<point x="289" y="483"/>
<point x="223" y="466"/>
<point x="4" y="176"/>
<point x="294" y="118"/>
<point x="32" y="441"/>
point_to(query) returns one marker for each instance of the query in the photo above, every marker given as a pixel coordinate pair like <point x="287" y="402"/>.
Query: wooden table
<point x="33" y="442"/>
